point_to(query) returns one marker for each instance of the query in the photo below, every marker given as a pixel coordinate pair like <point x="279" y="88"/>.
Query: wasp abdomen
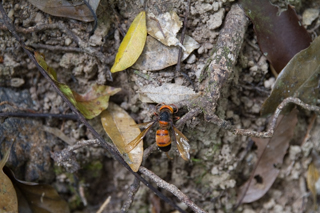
<point x="163" y="140"/>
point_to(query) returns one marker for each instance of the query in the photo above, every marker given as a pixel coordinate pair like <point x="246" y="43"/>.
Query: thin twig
<point x="39" y="115"/>
<point x="247" y="132"/>
<point x="94" y="16"/>
<point x="103" y="143"/>
<point x="57" y="48"/>
<point x="104" y="205"/>
<point x="185" y="22"/>
<point x="171" y="188"/>
<point x="131" y="193"/>
<point x="159" y="26"/>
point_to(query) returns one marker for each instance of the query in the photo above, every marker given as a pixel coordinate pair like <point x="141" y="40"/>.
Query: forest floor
<point x="220" y="160"/>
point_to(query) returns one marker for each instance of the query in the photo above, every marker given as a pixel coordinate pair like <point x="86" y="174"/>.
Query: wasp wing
<point x="130" y="146"/>
<point x="143" y="125"/>
<point x="182" y="144"/>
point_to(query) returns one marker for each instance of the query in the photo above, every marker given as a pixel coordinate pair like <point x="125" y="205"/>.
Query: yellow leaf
<point x="312" y="179"/>
<point x="132" y="44"/>
<point x="122" y="129"/>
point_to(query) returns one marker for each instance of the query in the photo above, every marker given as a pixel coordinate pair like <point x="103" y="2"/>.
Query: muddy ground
<point x="221" y="161"/>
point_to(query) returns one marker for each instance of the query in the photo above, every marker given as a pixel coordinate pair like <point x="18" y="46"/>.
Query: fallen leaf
<point x="8" y="195"/>
<point x="270" y="155"/>
<point x="298" y="79"/>
<point x="313" y="178"/>
<point x="90" y="104"/>
<point x="280" y="36"/>
<point x="122" y="129"/>
<point x="157" y="56"/>
<point x="132" y="44"/>
<point x="37" y="198"/>
<point x="164" y="28"/>
<point x="166" y="93"/>
<point x="63" y="8"/>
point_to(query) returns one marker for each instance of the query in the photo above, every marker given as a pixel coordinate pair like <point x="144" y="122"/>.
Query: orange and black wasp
<point x="163" y="139"/>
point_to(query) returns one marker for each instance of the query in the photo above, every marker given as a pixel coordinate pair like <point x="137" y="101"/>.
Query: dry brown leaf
<point x="166" y="93"/>
<point x="270" y="154"/>
<point x="64" y="8"/>
<point x="8" y="195"/>
<point x="122" y="129"/>
<point x="37" y="198"/>
<point x="156" y="56"/>
<point x="164" y="28"/>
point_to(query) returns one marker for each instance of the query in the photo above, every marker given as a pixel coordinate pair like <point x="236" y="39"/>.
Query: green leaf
<point x="298" y="79"/>
<point x="8" y="196"/>
<point x="90" y="104"/>
<point x="122" y="129"/>
<point x="132" y="45"/>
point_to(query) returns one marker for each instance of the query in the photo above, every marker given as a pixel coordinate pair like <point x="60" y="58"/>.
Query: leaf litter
<point x="35" y="197"/>
<point x="157" y="56"/>
<point x="122" y="129"/>
<point x="8" y="195"/>
<point x="63" y="8"/>
<point x="270" y="154"/>
<point x="313" y="178"/>
<point x="90" y="104"/>
<point x="164" y="28"/>
<point x="300" y="78"/>
<point x="162" y="46"/>
<point x="166" y="93"/>
<point x="132" y="44"/>
<point x="280" y="36"/>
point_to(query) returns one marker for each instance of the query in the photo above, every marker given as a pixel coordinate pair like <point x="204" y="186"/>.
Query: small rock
<point x="39" y="18"/>
<point x="309" y="15"/>
<point x="67" y="42"/>
<point x="201" y="50"/>
<point x="294" y="152"/>
<point x="191" y="59"/>
<point x="255" y="108"/>
<point x="269" y="204"/>
<point x="200" y="8"/>
<point x="199" y="70"/>
<point x="269" y="83"/>
<point x="215" y="20"/>
<point x="215" y="6"/>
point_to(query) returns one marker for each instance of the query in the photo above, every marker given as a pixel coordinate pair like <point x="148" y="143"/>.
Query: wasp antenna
<point x="174" y="106"/>
<point x="159" y="105"/>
